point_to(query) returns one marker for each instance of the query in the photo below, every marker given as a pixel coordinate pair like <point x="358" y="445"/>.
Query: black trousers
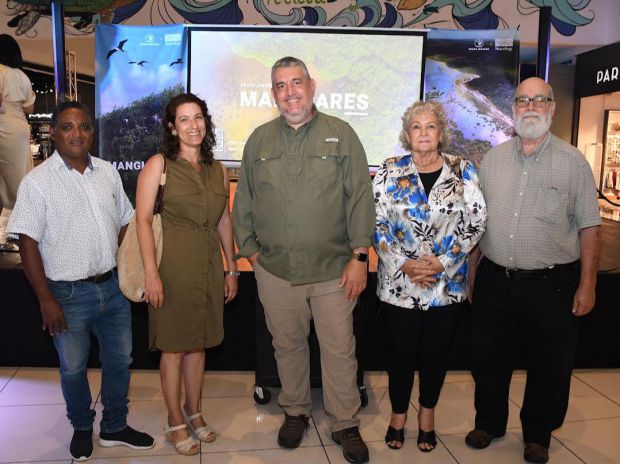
<point x="526" y="317"/>
<point x="422" y="339"/>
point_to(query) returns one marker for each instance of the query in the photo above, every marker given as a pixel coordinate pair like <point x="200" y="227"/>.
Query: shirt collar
<point x="404" y="166"/>
<point x="309" y="123"/>
<point x="60" y="162"/>
<point x="535" y="155"/>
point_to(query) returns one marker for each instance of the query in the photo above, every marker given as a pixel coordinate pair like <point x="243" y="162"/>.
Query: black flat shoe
<point x="428" y="438"/>
<point x="393" y="435"/>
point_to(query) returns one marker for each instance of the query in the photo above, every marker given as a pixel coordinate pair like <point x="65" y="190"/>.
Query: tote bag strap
<point x="159" y="203"/>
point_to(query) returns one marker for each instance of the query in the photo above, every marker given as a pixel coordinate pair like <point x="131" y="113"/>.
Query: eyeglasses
<point x="539" y="101"/>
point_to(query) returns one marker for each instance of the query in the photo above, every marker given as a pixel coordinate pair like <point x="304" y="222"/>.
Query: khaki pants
<point x="288" y="312"/>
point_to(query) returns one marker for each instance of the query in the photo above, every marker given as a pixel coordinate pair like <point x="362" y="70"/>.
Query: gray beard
<point x="531" y="130"/>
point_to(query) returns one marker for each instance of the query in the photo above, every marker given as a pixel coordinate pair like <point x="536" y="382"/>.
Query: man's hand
<point x="583" y="302"/>
<point x="252" y="259"/>
<point x="353" y="279"/>
<point x="53" y="317"/>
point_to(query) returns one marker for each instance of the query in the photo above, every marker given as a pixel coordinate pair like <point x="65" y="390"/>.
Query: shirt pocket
<point x="551" y="204"/>
<point x="324" y="166"/>
<point x="268" y="169"/>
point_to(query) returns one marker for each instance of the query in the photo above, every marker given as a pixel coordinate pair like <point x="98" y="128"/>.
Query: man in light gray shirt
<point x="537" y="274"/>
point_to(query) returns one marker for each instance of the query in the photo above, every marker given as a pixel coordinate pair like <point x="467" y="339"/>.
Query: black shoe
<point x="127" y="437"/>
<point x="395" y="438"/>
<point x="81" y="447"/>
<point x="427" y="438"/>
<point x="536" y="453"/>
<point x="353" y="447"/>
<point x="292" y="431"/>
<point x="479" y="439"/>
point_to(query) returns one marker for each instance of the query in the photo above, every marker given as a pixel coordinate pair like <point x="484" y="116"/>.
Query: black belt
<point x="514" y="273"/>
<point x="97" y="279"/>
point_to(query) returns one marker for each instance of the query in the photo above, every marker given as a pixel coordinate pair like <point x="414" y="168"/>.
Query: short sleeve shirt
<point x="75" y="217"/>
<point x="536" y="204"/>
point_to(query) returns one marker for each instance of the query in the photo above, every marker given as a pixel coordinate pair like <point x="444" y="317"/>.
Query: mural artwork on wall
<point x="83" y="15"/>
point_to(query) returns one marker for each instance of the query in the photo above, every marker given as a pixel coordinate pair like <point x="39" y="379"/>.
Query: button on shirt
<point x="536" y="204"/>
<point x="74" y="217"/>
<point x="304" y="199"/>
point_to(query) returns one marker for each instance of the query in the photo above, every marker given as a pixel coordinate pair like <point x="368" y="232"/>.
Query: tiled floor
<point x="33" y="427"/>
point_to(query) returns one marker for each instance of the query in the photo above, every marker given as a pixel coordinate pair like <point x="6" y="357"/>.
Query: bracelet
<point x="232" y="273"/>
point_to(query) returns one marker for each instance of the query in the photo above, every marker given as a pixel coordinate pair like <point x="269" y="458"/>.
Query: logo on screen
<point x="479" y="46"/>
<point x="219" y="140"/>
<point x="172" y="39"/>
<point x="503" y="44"/>
<point x="149" y="41"/>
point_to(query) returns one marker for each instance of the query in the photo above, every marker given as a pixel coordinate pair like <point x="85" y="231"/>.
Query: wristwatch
<point x="363" y="257"/>
<point x="232" y="273"/>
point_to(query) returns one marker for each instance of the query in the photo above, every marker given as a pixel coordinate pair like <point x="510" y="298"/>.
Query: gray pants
<point x="289" y="310"/>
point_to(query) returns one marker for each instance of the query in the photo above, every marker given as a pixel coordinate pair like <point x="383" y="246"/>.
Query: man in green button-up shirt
<point x="304" y="217"/>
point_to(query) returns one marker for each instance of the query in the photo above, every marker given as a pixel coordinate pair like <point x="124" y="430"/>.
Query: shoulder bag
<point x="131" y="275"/>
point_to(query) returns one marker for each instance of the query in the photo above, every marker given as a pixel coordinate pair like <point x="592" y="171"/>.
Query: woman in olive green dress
<point x="186" y="295"/>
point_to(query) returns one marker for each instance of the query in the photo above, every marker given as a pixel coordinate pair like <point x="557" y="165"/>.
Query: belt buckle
<point x="508" y="272"/>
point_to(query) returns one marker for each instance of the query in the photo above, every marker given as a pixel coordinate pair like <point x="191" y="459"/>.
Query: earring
<point x="174" y="133"/>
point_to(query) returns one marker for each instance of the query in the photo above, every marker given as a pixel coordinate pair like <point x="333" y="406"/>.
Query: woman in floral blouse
<point x="430" y="215"/>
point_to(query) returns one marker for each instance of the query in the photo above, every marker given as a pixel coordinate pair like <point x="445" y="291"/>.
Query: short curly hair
<point x="170" y="144"/>
<point x="425" y="107"/>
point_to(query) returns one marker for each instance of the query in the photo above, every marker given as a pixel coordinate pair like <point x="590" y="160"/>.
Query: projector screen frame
<point x="234" y="163"/>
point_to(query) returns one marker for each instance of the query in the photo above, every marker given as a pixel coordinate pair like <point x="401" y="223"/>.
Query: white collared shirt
<point x="74" y="217"/>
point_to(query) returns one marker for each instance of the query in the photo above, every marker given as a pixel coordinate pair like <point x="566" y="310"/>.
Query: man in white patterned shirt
<point x="537" y="275"/>
<point x="70" y="215"/>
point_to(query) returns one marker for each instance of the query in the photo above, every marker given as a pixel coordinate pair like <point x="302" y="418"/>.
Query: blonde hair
<point x="425" y="107"/>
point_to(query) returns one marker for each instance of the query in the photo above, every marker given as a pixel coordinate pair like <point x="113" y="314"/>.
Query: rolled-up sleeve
<point x="242" y="215"/>
<point x="360" y="211"/>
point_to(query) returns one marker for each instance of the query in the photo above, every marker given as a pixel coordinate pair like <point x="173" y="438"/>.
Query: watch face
<point x="361" y="256"/>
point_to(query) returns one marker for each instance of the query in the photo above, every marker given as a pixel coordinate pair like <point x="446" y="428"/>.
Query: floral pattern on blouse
<point x="448" y="224"/>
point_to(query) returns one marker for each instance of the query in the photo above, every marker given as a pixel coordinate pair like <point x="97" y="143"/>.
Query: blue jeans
<point x="102" y="310"/>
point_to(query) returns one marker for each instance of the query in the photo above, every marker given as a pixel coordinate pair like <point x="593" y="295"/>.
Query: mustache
<point x="529" y="114"/>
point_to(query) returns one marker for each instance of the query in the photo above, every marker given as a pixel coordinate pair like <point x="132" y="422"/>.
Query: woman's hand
<point x="154" y="290"/>
<point x="231" y="284"/>
<point x="433" y="263"/>
<point x="422" y="270"/>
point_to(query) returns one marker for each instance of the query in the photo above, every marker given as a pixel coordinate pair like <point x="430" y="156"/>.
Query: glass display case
<point x="610" y="172"/>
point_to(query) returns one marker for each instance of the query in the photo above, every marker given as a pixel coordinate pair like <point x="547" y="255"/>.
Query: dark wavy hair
<point x="171" y="145"/>
<point x="11" y="55"/>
